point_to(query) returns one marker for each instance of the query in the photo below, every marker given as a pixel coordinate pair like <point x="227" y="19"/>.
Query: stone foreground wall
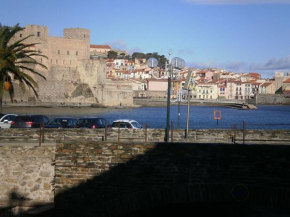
<point x="94" y="178"/>
<point x="149" y="135"/>
<point x="124" y="177"/>
<point x="27" y="172"/>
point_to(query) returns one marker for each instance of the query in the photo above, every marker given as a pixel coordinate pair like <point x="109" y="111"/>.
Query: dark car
<point x="92" y="122"/>
<point x="29" y="121"/>
<point x="62" y="122"/>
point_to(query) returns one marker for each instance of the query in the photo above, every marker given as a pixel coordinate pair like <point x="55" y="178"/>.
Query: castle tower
<point x="40" y="35"/>
<point x="79" y="34"/>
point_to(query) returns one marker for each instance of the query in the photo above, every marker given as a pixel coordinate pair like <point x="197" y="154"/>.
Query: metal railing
<point x="41" y="134"/>
<point x="238" y="134"/>
<point x="145" y="134"/>
<point x="244" y="133"/>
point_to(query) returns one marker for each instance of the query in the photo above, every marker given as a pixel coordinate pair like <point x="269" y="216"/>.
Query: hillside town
<point x="210" y="83"/>
<point x="81" y="73"/>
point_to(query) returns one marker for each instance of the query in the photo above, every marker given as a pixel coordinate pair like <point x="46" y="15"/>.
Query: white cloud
<point x="272" y="64"/>
<point x="240" y="2"/>
<point x="122" y="45"/>
<point x="185" y="51"/>
<point x="118" y="44"/>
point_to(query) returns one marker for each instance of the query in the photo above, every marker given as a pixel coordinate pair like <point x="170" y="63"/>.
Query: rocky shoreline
<point x="137" y="102"/>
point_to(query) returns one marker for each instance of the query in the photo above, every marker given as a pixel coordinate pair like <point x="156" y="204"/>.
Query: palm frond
<point x="32" y="71"/>
<point x="17" y="60"/>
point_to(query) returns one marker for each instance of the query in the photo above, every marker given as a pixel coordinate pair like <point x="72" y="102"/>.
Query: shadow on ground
<point x="172" y="179"/>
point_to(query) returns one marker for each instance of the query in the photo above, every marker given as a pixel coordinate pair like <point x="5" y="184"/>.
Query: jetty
<point x="242" y="106"/>
<point x="147" y="102"/>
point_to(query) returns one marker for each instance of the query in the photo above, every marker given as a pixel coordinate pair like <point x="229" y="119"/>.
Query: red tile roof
<point x="254" y="73"/>
<point x="266" y="84"/>
<point x="158" y="80"/>
<point x="100" y="46"/>
<point x="287" y="81"/>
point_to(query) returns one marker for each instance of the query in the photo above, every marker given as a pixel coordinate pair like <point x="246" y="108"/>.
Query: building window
<point x="38" y="34"/>
<point x="67" y="52"/>
<point x="84" y="35"/>
<point x="58" y="51"/>
<point x="20" y="35"/>
<point x="77" y="52"/>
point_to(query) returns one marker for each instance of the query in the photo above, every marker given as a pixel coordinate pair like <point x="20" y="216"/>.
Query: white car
<point x="6" y="119"/>
<point x="126" y="123"/>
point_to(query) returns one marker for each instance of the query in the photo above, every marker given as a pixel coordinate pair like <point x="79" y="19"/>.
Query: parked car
<point x="62" y="122"/>
<point x="126" y="123"/>
<point x="6" y="119"/>
<point x="92" y="122"/>
<point x="29" y="121"/>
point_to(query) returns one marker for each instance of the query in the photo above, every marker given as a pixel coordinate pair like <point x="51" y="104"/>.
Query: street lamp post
<point x="168" y="102"/>
<point x="175" y="63"/>
<point x="179" y="99"/>
<point x="188" y="85"/>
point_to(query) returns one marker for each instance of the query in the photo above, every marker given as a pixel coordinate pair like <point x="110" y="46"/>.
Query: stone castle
<point x="72" y="77"/>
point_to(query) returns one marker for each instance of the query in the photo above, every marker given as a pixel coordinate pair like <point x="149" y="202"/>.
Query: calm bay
<point x="201" y="117"/>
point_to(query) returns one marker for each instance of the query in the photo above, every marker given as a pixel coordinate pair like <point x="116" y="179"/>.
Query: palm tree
<point x="17" y="61"/>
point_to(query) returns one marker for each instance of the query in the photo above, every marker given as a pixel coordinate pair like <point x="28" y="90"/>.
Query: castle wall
<point x="79" y="34"/>
<point x="71" y="75"/>
<point x="66" y="52"/>
<point x="113" y="94"/>
<point x="40" y="35"/>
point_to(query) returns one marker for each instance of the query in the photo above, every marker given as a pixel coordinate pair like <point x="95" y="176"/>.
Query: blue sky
<point x="236" y="35"/>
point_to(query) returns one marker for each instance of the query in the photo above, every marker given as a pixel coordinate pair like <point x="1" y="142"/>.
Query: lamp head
<point x="152" y="62"/>
<point x="177" y="63"/>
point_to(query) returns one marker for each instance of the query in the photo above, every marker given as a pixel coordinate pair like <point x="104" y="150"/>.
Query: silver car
<point x="6" y="119"/>
<point x="126" y="123"/>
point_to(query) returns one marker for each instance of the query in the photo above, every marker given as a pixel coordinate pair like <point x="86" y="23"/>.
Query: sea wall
<point x="270" y="99"/>
<point x="150" y="94"/>
<point x="148" y="135"/>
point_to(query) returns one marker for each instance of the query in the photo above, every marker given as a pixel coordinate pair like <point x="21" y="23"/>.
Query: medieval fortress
<point x="72" y="77"/>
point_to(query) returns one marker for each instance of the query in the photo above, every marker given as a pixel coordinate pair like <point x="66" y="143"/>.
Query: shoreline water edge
<point x="137" y="103"/>
<point x="141" y="102"/>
